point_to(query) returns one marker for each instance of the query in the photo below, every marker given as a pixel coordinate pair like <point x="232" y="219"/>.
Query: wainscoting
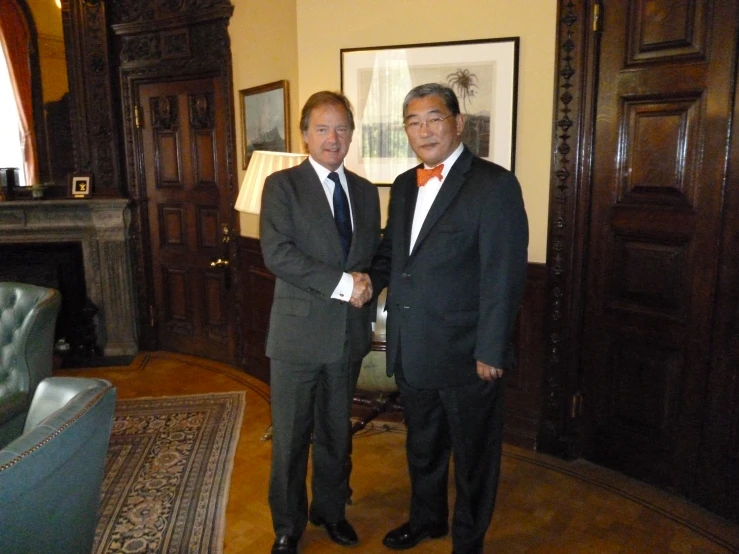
<point x="523" y="389"/>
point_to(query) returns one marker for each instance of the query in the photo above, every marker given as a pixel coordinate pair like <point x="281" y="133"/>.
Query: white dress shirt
<point x="428" y="193"/>
<point x="343" y="290"/>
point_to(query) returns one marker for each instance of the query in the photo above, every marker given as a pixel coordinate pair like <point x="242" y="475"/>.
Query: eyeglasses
<point x="433" y="124"/>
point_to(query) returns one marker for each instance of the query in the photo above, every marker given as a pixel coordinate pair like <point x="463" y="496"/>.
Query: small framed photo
<point x="265" y="119"/>
<point x="80" y="185"/>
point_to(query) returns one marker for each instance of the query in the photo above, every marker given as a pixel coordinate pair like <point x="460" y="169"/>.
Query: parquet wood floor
<point x="545" y="505"/>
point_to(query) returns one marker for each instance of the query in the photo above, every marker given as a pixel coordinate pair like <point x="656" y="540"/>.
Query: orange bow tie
<point x="423" y="175"/>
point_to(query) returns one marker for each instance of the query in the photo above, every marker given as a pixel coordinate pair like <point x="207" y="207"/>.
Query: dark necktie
<point x="341" y="214"/>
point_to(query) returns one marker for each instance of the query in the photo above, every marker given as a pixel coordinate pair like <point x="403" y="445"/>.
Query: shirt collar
<point x="323" y="172"/>
<point x="449" y="162"/>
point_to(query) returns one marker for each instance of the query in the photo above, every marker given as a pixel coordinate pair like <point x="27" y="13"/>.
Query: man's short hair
<point x="325" y="98"/>
<point x="433" y="89"/>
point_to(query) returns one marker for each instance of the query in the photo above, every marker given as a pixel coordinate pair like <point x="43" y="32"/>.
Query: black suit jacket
<point x="300" y="245"/>
<point x="454" y="299"/>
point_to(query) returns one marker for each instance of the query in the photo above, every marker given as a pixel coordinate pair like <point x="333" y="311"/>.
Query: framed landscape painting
<point x="483" y="73"/>
<point x="265" y="118"/>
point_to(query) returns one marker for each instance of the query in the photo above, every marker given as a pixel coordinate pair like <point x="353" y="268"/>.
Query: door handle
<point x="223" y="260"/>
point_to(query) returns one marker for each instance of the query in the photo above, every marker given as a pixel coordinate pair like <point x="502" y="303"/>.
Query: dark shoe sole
<point x="434" y="535"/>
<point x="318" y="522"/>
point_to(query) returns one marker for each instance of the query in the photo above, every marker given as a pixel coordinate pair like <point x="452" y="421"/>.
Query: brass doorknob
<point x="220" y="262"/>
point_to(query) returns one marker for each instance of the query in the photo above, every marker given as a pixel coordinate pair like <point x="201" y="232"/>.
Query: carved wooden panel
<point x="732" y="443"/>
<point x="172" y="226"/>
<point x="524" y="380"/>
<point x="644" y="396"/>
<point x="178" y="301"/>
<point x="216" y="311"/>
<point x="201" y="123"/>
<point x="169" y="171"/>
<point x="644" y="391"/>
<point x="648" y="278"/>
<point x="658" y="134"/>
<point x="208" y="227"/>
<point x="255" y="305"/>
<point x="661" y="29"/>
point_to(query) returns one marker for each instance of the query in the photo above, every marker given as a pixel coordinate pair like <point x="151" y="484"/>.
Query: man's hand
<point x="488" y="372"/>
<point x="362" y="291"/>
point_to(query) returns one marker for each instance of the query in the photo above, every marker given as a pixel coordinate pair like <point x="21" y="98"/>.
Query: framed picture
<point x="483" y="73"/>
<point x="265" y="117"/>
<point x="80" y="185"/>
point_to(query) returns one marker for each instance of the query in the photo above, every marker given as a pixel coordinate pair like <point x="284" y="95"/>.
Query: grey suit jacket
<point x="453" y="299"/>
<point x="300" y="245"/>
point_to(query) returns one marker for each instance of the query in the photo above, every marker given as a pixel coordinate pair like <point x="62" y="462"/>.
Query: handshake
<point x="362" y="291"/>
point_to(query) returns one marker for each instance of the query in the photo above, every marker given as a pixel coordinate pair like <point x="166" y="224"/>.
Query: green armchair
<point x="51" y="476"/>
<point x="27" y="322"/>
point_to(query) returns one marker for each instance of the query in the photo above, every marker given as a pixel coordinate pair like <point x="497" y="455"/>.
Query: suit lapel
<point x="449" y="189"/>
<point x="317" y="206"/>
<point x="411" y="196"/>
<point x="355" y="194"/>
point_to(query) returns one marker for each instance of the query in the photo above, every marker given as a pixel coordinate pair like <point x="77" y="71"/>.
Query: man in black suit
<point x="319" y="228"/>
<point x="454" y="258"/>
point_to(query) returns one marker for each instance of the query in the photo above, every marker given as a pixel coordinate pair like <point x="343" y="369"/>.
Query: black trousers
<point x="468" y="421"/>
<point x="310" y="400"/>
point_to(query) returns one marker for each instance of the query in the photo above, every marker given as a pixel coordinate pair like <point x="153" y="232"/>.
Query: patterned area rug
<point x="167" y="474"/>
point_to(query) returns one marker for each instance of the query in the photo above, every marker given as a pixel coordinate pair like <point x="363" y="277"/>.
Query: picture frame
<point x="483" y="73"/>
<point x="265" y="118"/>
<point x="80" y="185"/>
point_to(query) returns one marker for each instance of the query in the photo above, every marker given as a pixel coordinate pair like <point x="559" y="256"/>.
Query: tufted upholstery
<point x="51" y="476"/>
<point x="27" y="321"/>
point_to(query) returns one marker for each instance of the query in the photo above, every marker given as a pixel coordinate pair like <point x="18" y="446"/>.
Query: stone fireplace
<point x="100" y="226"/>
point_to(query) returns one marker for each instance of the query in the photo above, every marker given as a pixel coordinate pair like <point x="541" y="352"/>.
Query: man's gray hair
<point x="433" y="89"/>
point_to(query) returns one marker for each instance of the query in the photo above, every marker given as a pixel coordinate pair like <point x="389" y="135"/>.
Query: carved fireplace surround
<point x="101" y="227"/>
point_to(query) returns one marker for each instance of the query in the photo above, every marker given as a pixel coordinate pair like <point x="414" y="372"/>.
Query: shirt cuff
<point x="343" y="290"/>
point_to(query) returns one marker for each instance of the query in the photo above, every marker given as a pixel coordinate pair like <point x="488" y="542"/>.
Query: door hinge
<point x="597" y="17"/>
<point x="152" y="319"/>
<point x="136" y="117"/>
<point x="576" y="405"/>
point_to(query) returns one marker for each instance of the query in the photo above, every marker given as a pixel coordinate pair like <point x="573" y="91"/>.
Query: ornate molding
<point x="93" y="123"/>
<point x="558" y="434"/>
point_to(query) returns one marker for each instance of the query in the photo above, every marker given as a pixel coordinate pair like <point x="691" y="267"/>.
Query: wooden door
<point x="183" y="139"/>
<point x="664" y="100"/>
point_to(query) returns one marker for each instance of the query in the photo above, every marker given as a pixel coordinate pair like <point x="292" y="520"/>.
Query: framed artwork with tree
<point x="483" y="73"/>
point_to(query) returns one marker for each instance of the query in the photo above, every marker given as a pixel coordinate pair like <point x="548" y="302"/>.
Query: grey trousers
<point x="310" y="400"/>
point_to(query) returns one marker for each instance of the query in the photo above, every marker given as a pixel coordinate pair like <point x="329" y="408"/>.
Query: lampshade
<point x="261" y="165"/>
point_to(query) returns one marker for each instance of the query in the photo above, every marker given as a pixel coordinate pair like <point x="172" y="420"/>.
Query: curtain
<point x="15" y="39"/>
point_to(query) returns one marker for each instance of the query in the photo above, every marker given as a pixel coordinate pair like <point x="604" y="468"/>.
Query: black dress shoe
<point x="407" y="536"/>
<point x="285" y="545"/>
<point x="340" y="532"/>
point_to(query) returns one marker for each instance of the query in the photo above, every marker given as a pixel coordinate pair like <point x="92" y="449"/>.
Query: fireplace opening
<point x="57" y="265"/>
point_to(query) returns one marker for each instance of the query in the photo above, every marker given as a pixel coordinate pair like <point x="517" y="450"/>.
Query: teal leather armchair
<point x="27" y="321"/>
<point x="51" y="476"/>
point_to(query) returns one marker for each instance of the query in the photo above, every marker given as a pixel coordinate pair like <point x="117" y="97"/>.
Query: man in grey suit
<point x="454" y="258"/>
<point x="319" y="228"/>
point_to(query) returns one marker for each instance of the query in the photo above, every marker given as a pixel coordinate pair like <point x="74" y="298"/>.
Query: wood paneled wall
<point x="523" y="388"/>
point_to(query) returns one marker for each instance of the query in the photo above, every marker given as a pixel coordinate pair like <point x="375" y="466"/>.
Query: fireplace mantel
<point x="101" y="227"/>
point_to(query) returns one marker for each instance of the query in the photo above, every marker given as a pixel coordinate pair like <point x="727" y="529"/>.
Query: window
<point x="11" y="147"/>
